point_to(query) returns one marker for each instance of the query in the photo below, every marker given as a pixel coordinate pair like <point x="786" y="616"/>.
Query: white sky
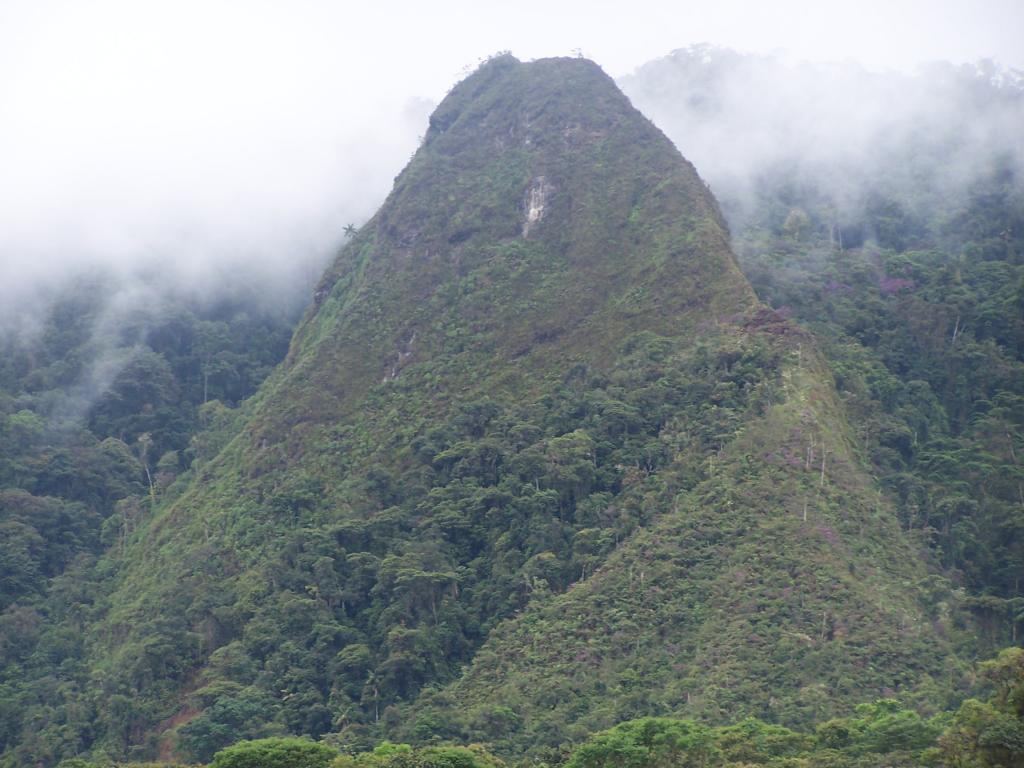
<point x="135" y="130"/>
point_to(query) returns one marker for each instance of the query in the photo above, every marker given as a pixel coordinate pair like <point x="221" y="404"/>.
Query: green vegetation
<point x="925" y="336"/>
<point x="537" y="466"/>
<point x="388" y="755"/>
<point x="101" y="409"/>
<point x="980" y="734"/>
<point x="882" y="734"/>
<point x="275" y="753"/>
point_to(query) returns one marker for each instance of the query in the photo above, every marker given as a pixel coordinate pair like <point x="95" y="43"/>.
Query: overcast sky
<point x="250" y="132"/>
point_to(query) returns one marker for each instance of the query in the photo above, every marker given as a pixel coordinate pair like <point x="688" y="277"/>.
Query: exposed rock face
<point x="536" y="198"/>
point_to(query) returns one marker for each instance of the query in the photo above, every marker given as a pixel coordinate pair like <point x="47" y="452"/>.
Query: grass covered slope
<point x="536" y="409"/>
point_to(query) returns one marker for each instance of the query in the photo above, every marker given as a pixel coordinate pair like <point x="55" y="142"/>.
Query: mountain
<point x="537" y="460"/>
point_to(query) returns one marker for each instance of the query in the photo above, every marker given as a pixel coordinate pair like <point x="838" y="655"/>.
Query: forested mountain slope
<point x="100" y="406"/>
<point x="537" y="460"/>
<point x="774" y="582"/>
<point x="885" y="213"/>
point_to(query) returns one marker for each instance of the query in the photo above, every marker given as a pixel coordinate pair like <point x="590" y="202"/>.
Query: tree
<point x="650" y="742"/>
<point x="797" y="223"/>
<point x="752" y="741"/>
<point x="990" y="734"/>
<point x="388" y="755"/>
<point x="275" y="753"/>
<point x="145" y="443"/>
<point x="212" y="341"/>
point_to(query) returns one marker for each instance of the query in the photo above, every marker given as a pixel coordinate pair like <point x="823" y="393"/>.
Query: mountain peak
<point x="549" y="152"/>
<point x="530" y="101"/>
<point x="526" y="394"/>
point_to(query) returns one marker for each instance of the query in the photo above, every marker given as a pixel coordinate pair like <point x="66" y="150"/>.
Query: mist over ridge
<point x="272" y="213"/>
<point x="752" y="125"/>
<point x="849" y="134"/>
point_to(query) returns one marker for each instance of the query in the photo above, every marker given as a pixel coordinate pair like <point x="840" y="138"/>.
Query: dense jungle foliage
<point x="894" y="231"/>
<point x="985" y="733"/>
<point x="102" y="406"/>
<point x="922" y="320"/>
<point x="322" y="590"/>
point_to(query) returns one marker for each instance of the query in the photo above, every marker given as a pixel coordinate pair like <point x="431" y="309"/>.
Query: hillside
<point x="897" y="240"/>
<point x="537" y="461"/>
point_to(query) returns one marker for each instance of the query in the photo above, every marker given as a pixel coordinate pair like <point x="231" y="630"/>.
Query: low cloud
<point x="839" y="128"/>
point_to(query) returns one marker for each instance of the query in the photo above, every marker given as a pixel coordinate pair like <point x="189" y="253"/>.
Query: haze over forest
<point x="240" y="212"/>
<point x="190" y="144"/>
